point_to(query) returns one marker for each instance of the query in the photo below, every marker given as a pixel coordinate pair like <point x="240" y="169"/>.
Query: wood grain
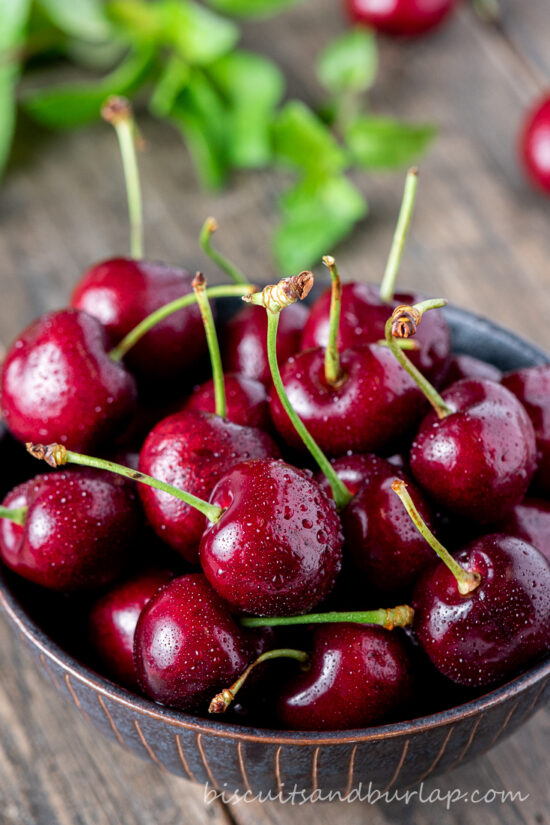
<point x="480" y="238"/>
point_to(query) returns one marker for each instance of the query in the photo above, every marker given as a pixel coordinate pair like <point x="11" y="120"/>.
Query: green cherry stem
<point x="388" y="618"/>
<point x="209" y="227"/>
<point x="15" y="514"/>
<point x="118" y="112"/>
<point x="275" y="298"/>
<point x="333" y="369"/>
<point x="466" y="580"/>
<point x="387" y="287"/>
<point x="199" y="288"/>
<point x="223" y="700"/>
<point x="402" y="324"/>
<point x="56" y="455"/>
<point x="136" y="334"/>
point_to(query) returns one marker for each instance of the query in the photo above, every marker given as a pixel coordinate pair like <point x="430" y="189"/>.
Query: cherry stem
<point x="387" y="287"/>
<point x="274" y="299"/>
<point x="333" y="369"/>
<point x="466" y="580"/>
<point x="209" y="227"/>
<point x="15" y="514"/>
<point x="223" y="700"/>
<point x="488" y="11"/>
<point x="199" y="288"/>
<point x="388" y="618"/>
<point x="402" y="343"/>
<point x="136" y="334"/>
<point x="56" y="455"/>
<point x="118" y="112"/>
<point x="403" y="323"/>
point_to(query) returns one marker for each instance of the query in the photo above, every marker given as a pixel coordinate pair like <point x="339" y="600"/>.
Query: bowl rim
<point x="539" y="673"/>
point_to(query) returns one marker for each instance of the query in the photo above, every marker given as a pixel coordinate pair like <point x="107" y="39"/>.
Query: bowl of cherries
<point x="298" y="543"/>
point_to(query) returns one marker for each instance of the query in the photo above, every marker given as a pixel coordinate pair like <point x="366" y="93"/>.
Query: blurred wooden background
<point x="481" y="238"/>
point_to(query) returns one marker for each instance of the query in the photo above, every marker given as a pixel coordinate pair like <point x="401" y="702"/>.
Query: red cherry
<point x="477" y="461"/>
<point x="59" y="384"/>
<point x="530" y="521"/>
<point x="532" y="387"/>
<point x="363" y="319"/>
<point x="192" y="450"/>
<point x="497" y="629"/>
<point x="358" y="676"/>
<point x="276" y="548"/>
<point x="113" y="619"/>
<point x="188" y="646"/>
<point x="245" y="340"/>
<point x="247" y="401"/>
<point x="375" y="404"/>
<point x="466" y="366"/>
<point x="535" y="144"/>
<point x="121" y="292"/>
<point x="77" y="533"/>
<point x="400" y="17"/>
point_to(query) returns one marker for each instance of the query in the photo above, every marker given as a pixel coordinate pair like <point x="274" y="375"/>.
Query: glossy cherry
<point x="247" y="400"/>
<point x="77" y="533"/>
<point x="245" y="336"/>
<point x="535" y="144"/>
<point x="363" y="319"/>
<point x="359" y="675"/>
<point x="113" y="619"/>
<point x="530" y="521"/>
<point x="188" y="646"/>
<point x="478" y="460"/>
<point x="497" y="629"/>
<point x="375" y="404"/>
<point x="121" y="292"/>
<point x="466" y="366"/>
<point x="381" y="542"/>
<point x="400" y="17"/>
<point x="192" y="450"/>
<point x="532" y="386"/>
<point x="276" y="549"/>
<point x="59" y="383"/>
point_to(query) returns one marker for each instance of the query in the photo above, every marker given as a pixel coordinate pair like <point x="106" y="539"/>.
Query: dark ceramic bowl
<point x="242" y="758"/>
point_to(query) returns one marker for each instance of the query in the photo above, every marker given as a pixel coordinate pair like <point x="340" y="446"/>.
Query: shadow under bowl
<point x="238" y="758"/>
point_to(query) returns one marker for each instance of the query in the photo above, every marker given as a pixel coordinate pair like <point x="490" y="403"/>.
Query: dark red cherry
<point x="466" y="366"/>
<point x="532" y="387"/>
<point x="375" y="404"/>
<point x="363" y="320"/>
<point x="359" y="675"/>
<point x="192" y="450"/>
<point x="60" y="385"/>
<point x="478" y="461"/>
<point x="121" y="292"/>
<point x="188" y="646"/>
<point x="244" y="340"/>
<point x="113" y="619"/>
<point x="535" y="144"/>
<point x="247" y="401"/>
<point x="276" y="549"/>
<point x="530" y="521"/>
<point x="78" y="533"/>
<point x="400" y="17"/>
<point x="498" y="628"/>
<point x="381" y="542"/>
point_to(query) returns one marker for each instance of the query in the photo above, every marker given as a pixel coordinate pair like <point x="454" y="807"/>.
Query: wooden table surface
<point x="481" y="237"/>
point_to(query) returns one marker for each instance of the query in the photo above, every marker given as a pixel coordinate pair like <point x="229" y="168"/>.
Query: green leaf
<point x="251" y="8"/>
<point x="173" y="79"/>
<point x="84" y="19"/>
<point x="252" y="86"/>
<point x="14" y="15"/>
<point x="376" y="142"/>
<point x="200" y="115"/>
<point x="67" y="106"/>
<point x="349" y="63"/>
<point x="199" y="35"/>
<point x="315" y="218"/>
<point x="302" y="141"/>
